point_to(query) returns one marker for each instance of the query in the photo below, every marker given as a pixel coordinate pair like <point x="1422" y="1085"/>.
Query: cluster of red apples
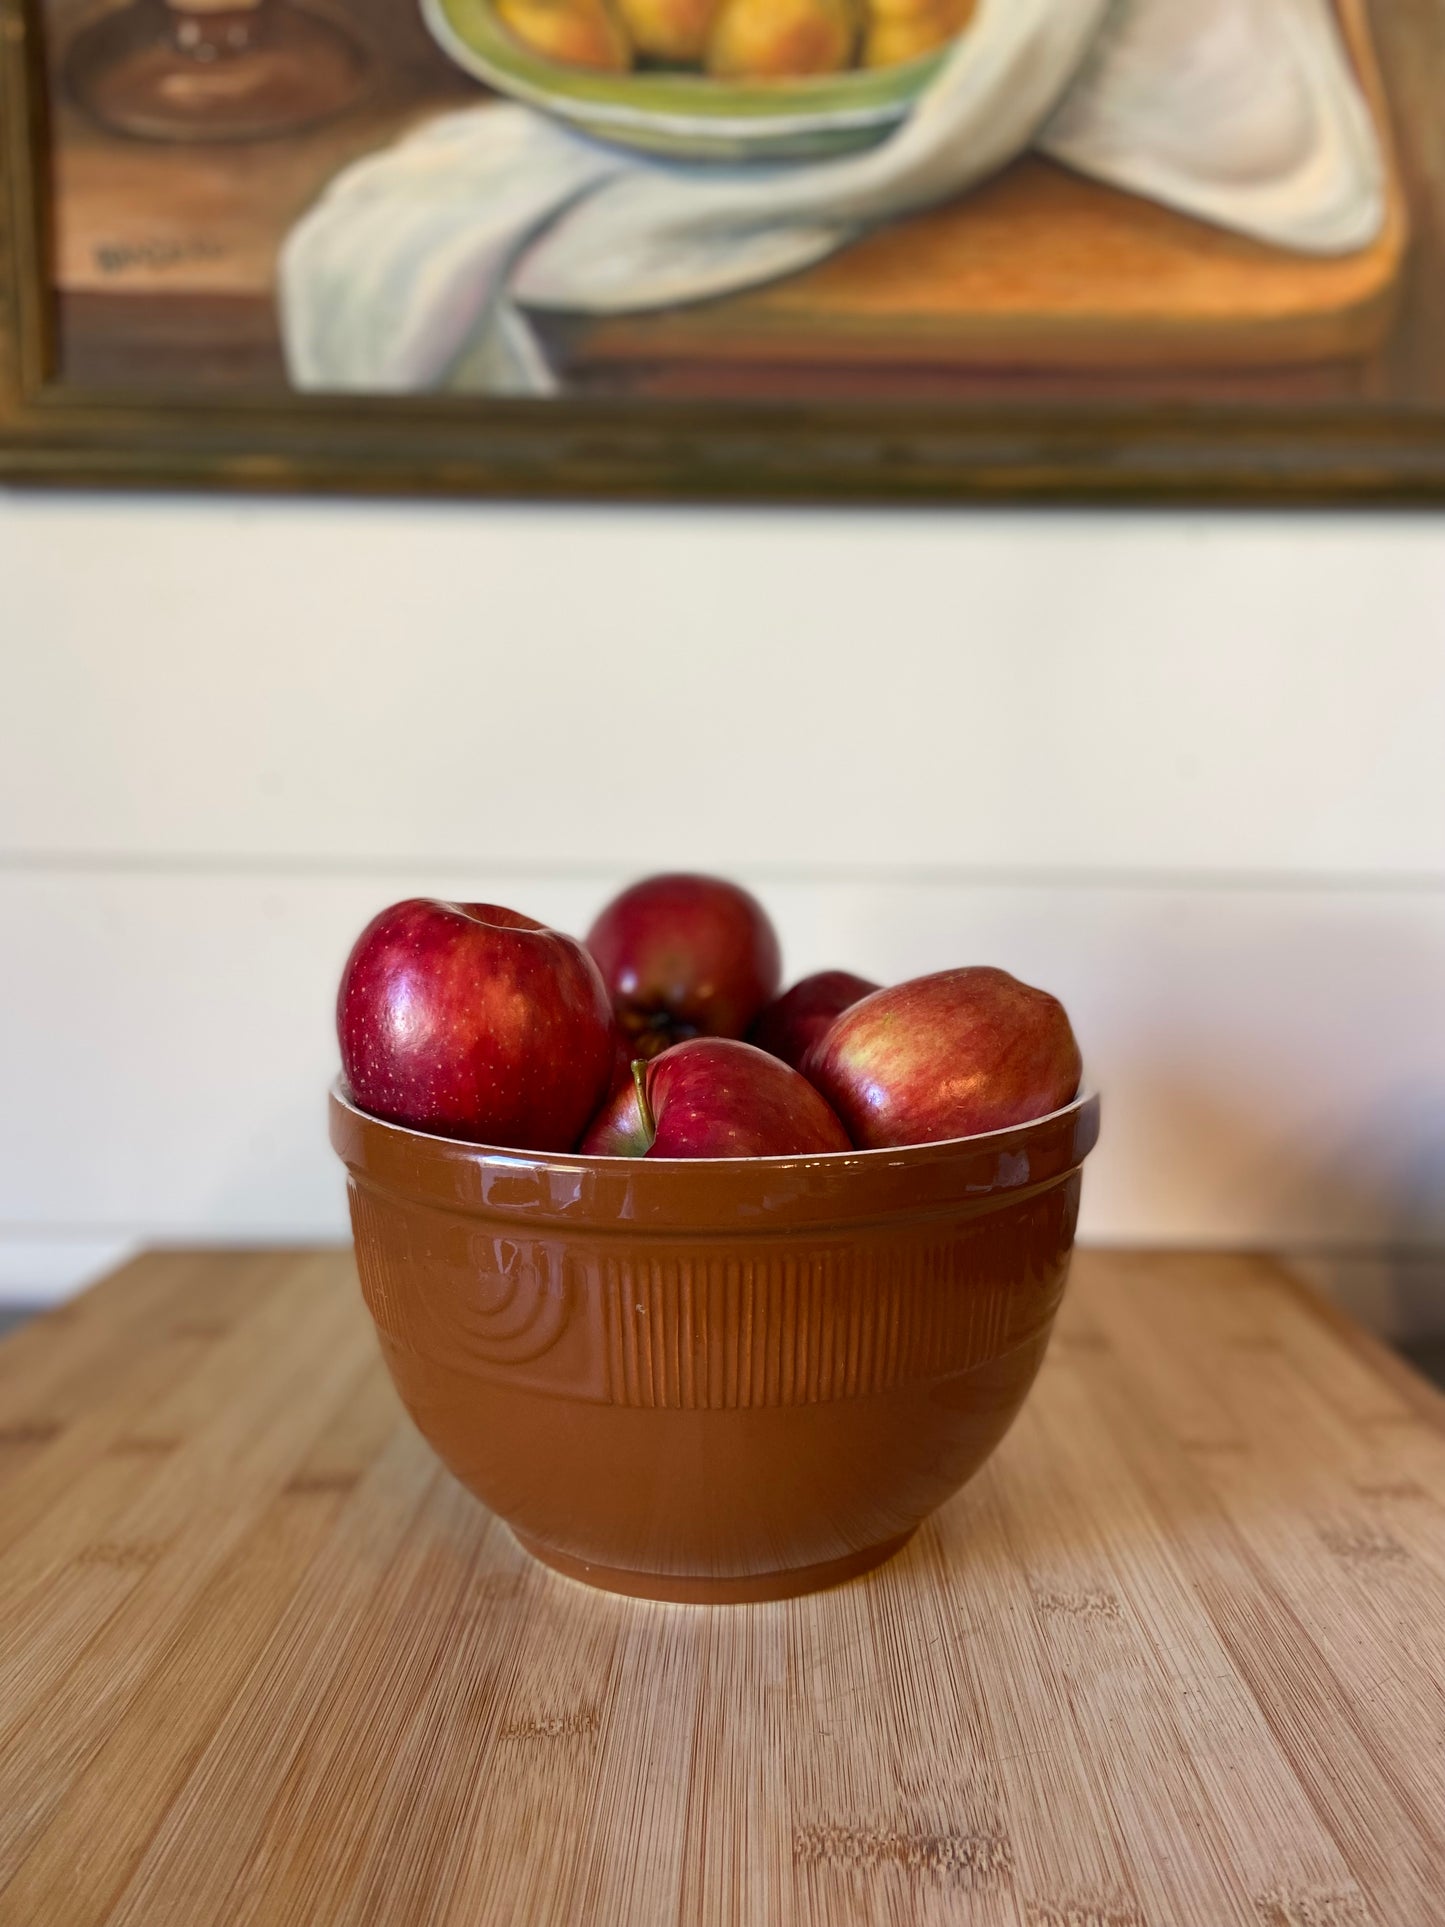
<point x="665" y="1036"/>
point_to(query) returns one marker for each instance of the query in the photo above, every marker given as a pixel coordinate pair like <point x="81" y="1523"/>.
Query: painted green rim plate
<point x="682" y="113"/>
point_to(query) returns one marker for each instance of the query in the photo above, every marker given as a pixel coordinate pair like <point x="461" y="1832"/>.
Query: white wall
<point x="1189" y="771"/>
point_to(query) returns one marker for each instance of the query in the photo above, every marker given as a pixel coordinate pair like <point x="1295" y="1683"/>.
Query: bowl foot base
<point x="733" y="1590"/>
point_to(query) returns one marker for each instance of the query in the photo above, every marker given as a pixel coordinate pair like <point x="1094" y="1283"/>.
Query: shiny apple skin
<point x="624" y="1126"/>
<point x="946" y="1056"/>
<point x="790" y="1025"/>
<point x="685" y="956"/>
<point x="714" y="1097"/>
<point x="472" y="1021"/>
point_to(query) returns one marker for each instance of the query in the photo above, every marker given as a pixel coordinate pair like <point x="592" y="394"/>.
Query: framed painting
<point x="849" y="249"/>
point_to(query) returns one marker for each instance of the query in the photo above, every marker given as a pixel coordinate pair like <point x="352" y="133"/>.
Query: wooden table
<point x="1177" y="1656"/>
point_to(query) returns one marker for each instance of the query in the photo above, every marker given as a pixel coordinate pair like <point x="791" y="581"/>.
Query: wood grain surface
<point x="1176" y="1656"/>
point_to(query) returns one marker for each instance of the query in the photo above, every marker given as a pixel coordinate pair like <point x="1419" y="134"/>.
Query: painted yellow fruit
<point x="578" y="33"/>
<point x="672" y="30"/>
<point x="776" y="39"/>
<point x="899" y="30"/>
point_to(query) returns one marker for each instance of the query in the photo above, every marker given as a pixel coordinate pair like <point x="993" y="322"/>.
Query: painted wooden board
<point x="1043" y="268"/>
<point x="1177" y="1656"/>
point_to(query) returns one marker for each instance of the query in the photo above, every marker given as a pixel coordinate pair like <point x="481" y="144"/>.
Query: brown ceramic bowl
<point x="714" y="1380"/>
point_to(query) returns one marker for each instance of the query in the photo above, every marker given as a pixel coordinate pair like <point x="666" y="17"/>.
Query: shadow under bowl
<point x="718" y="1380"/>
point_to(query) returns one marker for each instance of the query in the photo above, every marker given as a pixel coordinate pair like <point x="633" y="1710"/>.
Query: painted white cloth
<point x="419" y="267"/>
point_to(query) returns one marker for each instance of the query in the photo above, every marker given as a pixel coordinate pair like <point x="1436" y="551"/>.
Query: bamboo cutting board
<point x="1177" y="1656"/>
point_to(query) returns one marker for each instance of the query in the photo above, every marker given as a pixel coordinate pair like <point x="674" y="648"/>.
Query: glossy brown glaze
<point x="714" y="1380"/>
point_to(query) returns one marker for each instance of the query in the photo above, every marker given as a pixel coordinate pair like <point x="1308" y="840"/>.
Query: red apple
<point x="685" y="956"/>
<point x="790" y="1025"/>
<point x="946" y="1056"/>
<point x="713" y="1097"/>
<point x="472" y="1021"/>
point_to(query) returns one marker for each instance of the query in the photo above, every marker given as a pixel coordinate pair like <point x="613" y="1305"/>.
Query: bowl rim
<point x="1085" y="1098"/>
<point x="720" y="108"/>
<point x="720" y="1198"/>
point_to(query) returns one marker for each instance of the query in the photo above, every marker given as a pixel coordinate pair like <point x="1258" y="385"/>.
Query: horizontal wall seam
<point x="221" y="865"/>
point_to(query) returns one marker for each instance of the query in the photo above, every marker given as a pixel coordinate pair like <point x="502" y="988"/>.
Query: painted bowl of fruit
<point x="730" y="80"/>
<point x="701" y="1318"/>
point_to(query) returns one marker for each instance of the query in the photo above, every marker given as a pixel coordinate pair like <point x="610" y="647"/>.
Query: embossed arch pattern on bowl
<point x="718" y="1379"/>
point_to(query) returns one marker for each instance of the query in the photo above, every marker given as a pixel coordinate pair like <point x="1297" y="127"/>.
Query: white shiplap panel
<point x="564" y="688"/>
<point x="1273" y="1061"/>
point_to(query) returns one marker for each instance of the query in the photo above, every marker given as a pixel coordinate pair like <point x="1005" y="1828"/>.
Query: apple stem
<point x="639" y="1079"/>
